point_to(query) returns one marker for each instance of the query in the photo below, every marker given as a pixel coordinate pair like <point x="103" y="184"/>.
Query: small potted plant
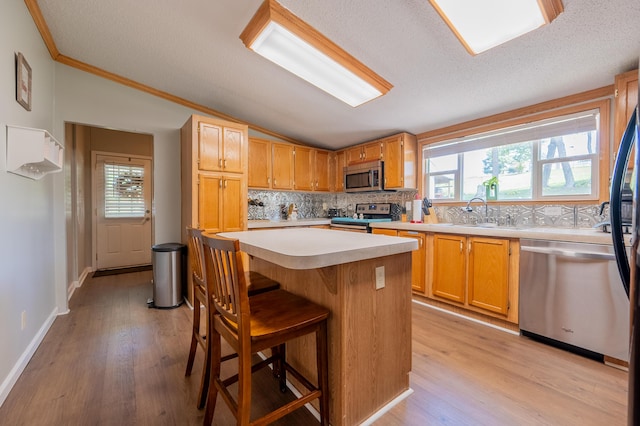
<point x="491" y="187"/>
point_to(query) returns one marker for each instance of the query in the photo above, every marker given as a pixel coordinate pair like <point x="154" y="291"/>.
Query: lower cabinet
<point x="220" y="203"/>
<point x="418" y="257"/>
<point x="476" y="273"/>
<point x="418" y="260"/>
<point x="380" y="231"/>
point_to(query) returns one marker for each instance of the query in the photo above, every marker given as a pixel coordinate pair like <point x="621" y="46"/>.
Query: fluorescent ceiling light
<point x="284" y="39"/>
<point x="481" y="25"/>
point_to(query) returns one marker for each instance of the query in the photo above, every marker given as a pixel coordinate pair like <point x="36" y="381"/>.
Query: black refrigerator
<point x="629" y="268"/>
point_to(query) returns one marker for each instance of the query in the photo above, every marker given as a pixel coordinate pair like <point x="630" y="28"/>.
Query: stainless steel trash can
<point x="168" y="275"/>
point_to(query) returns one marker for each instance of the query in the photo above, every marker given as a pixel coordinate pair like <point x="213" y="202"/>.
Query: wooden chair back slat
<point x="229" y="290"/>
<point x="195" y="259"/>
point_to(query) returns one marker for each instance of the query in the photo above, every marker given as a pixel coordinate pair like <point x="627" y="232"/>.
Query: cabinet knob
<point x="220" y="162"/>
<point x="225" y="163"/>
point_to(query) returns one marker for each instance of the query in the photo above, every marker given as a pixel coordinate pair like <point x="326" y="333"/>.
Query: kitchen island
<point x="365" y="281"/>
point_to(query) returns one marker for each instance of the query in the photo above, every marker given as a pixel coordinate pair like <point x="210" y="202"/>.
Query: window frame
<point x="548" y="110"/>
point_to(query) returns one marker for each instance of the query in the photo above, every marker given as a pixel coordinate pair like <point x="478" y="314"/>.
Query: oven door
<point x="351" y="227"/>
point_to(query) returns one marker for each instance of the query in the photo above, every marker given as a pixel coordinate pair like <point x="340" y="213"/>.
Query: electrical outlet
<point x="324" y="206"/>
<point x="379" y="277"/>
<point x="24" y="320"/>
<point x="553" y="211"/>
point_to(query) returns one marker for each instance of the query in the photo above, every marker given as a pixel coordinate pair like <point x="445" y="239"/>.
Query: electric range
<point x="365" y="215"/>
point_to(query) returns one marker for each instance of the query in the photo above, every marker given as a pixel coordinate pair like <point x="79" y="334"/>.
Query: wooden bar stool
<point x="199" y="335"/>
<point x="254" y="324"/>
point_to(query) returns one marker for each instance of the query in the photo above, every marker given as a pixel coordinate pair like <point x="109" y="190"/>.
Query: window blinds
<point x="584" y="121"/>
<point x="124" y="195"/>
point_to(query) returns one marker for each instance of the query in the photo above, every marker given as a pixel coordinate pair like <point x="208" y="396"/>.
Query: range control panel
<point x="374" y="208"/>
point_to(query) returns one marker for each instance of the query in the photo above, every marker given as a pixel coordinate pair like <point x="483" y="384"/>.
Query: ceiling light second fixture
<point x="481" y="25"/>
<point x="283" y="38"/>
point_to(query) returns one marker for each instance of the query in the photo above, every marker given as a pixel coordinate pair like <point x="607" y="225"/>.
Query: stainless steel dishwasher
<point x="572" y="293"/>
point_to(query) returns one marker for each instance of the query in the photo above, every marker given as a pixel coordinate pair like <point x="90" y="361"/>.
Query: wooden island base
<point x="369" y="330"/>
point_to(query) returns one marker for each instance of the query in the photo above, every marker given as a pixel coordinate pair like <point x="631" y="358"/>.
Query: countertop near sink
<point x="265" y="224"/>
<point x="579" y="235"/>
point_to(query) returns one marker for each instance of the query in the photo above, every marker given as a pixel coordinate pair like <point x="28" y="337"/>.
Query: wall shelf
<point x="33" y="153"/>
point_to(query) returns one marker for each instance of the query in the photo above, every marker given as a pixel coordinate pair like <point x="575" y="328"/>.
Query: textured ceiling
<point x="191" y="49"/>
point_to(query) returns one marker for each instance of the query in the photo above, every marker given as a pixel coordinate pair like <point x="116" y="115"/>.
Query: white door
<point x="122" y="209"/>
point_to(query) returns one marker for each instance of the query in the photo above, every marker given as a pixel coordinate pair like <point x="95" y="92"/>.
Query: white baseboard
<point x="381" y="412"/>
<point x="77" y="284"/>
<point x="24" y="359"/>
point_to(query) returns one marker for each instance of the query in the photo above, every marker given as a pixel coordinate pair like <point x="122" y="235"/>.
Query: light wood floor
<point x="113" y="361"/>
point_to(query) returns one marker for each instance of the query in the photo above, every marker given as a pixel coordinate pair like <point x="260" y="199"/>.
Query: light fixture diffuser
<point x="482" y="25"/>
<point x="283" y="38"/>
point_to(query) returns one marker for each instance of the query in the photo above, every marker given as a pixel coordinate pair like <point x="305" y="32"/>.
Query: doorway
<point x="82" y="144"/>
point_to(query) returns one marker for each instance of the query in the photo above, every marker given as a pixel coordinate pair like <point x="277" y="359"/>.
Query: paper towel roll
<point x="416" y="211"/>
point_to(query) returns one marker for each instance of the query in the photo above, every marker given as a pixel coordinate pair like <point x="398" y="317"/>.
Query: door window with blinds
<point x="124" y="195"/>
<point x="549" y="159"/>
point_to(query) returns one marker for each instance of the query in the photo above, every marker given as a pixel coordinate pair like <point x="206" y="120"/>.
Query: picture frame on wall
<point x="23" y="82"/>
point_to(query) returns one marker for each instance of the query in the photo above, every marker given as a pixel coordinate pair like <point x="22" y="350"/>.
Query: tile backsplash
<point x="316" y="204"/>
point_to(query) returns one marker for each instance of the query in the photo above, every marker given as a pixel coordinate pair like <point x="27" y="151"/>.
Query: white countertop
<point x="266" y="223"/>
<point x="579" y="235"/>
<point x="309" y="248"/>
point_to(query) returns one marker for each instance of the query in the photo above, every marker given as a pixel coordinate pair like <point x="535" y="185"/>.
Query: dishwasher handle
<point x="569" y="253"/>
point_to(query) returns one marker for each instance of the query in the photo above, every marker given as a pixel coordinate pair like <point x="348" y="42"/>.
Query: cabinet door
<point x="232" y="148"/>
<point x="354" y="154"/>
<point x="282" y="166"/>
<point x="381" y="231"/>
<point x="209" y="147"/>
<point x="393" y="156"/>
<point x="371" y="151"/>
<point x="231" y="202"/>
<point x="449" y="267"/>
<point x="303" y="169"/>
<point x="209" y="208"/>
<point x="488" y="281"/>
<point x="259" y="163"/>
<point x="418" y="260"/>
<point x="322" y="171"/>
<point x="626" y="100"/>
<point x="339" y="161"/>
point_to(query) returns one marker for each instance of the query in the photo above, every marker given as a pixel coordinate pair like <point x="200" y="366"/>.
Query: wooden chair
<point x="258" y="284"/>
<point x="254" y="324"/>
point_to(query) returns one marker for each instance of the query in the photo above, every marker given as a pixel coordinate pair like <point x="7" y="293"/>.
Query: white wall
<point x="32" y="218"/>
<point x="91" y="100"/>
<point x="28" y="268"/>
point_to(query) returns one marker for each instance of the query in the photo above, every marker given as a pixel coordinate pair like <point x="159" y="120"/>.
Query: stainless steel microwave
<point x="363" y="177"/>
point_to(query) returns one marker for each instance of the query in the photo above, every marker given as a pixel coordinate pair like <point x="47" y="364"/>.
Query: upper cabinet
<point x="282" y="157"/>
<point x="370" y="151"/>
<point x="284" y="166"/>
<point x="626" y="95"/>
<point x="259" y="163"/>
<point x="399" y="156"/>
<point x="338" y="162"/>
<point x="322" y="170"/>
<point x="303" y="169"/>
<point x="220" y="147"/>
<point x="33" y="153"/>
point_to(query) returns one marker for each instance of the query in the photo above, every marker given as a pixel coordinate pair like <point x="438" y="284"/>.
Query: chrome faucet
<point x="486" y="207"/>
